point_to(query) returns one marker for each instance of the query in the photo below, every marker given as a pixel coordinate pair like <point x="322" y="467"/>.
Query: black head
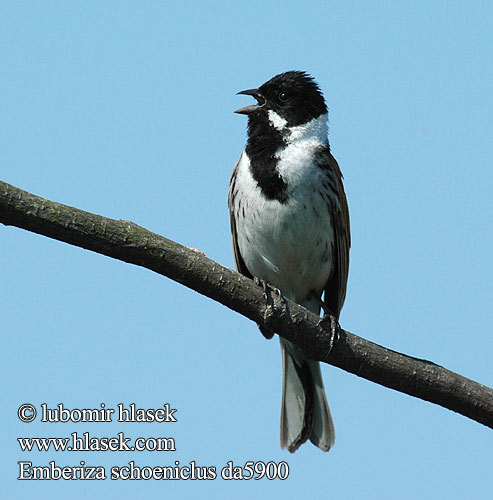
<point x="294" y="96"/>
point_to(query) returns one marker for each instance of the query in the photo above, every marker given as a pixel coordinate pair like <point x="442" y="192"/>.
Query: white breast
<point x="287" y="244"/>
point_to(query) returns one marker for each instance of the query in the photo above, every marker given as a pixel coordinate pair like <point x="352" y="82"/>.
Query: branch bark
<point x="130" y="243"/>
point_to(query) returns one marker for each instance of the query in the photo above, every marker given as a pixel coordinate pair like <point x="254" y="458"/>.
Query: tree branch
<point x="128" y="242"/>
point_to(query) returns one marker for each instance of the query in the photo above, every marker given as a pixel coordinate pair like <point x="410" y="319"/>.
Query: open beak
<point x="254" y="107"/>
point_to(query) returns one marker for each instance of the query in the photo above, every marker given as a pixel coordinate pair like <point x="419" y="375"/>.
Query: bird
<point x="290" y="229"/>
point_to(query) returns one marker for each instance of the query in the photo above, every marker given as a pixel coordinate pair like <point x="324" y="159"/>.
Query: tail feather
<point x="323" y="433"/>
<point x="305" y="413"/>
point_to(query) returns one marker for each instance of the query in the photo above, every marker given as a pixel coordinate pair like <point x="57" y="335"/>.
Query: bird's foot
<point x="335" y="329"/>
<point x="267" y="287"/>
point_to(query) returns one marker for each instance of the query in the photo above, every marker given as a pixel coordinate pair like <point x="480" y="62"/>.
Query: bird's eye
<point x="283" y="96"/>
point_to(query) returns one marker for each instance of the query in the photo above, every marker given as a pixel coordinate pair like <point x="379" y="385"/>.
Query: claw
<point x="268" y="287"/>
<point x="263" y="284"/>
<point x="268" y="301"/>
<point x="279" y="294"/>
<point x="335" y="329"/>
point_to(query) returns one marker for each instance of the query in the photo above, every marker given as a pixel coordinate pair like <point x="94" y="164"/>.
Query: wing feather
<point x="335" y="289"/>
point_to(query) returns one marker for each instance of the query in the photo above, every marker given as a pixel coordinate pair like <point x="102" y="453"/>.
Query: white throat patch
<point x="276" y="121"/>
<point x="297" y="157"/>
<point x="315" y="130"/>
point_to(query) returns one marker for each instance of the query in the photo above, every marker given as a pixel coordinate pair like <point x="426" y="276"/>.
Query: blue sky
<point x="126" y="109"/>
